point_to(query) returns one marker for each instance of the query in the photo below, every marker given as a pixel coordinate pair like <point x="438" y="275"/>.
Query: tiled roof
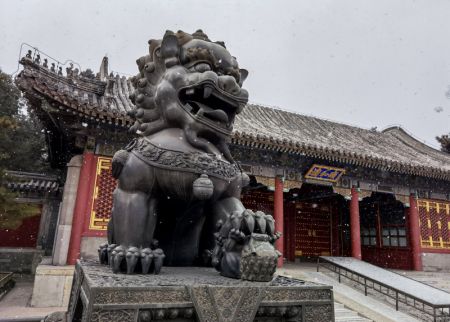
<point x="392" y="150"/>
<point x="270" y="128"/>
<point x="18" y="181"/>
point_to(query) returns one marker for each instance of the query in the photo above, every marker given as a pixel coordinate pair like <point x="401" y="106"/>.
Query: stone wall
<point x="435" y="262"/>
<point x="20" y="260"/>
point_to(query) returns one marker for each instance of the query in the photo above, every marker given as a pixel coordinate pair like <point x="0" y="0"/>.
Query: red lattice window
<point x="434" y="223"/>
<point x="103" y="195"/>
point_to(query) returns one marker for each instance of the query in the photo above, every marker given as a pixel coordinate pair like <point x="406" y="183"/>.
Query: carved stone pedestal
<point x="182" y="294"/>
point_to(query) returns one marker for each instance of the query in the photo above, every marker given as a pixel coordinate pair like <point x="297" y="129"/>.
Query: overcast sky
<point x="364" y="63"/>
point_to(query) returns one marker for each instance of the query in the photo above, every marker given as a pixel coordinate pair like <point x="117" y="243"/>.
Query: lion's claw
<point x="236" y="235"/>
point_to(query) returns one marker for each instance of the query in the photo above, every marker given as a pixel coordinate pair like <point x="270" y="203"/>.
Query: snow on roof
<point x="392" y="149"/>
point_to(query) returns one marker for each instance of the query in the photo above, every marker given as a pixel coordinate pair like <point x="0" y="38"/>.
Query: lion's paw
<point x="131" y="260"/>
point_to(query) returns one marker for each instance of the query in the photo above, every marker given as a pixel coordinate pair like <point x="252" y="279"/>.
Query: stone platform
<point x="182" y="294"/>
<point x="52" y="285"/>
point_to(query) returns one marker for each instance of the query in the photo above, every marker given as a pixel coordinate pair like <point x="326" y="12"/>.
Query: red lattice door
<point x="312" y="230"/>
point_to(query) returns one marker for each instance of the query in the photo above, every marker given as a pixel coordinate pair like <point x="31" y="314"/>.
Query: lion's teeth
<point x="207" y="92"/>
<point x="190" y="91"/>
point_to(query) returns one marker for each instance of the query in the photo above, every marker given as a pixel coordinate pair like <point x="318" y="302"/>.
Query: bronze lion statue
<point x="178" y="196"/>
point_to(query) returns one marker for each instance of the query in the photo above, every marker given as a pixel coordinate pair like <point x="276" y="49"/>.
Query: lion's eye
<point x="201" y="67"/>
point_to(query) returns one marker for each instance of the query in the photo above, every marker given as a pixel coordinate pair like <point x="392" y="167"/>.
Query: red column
<point x="279" y="217"/>
<point x="80" y="211"/>
<point x="355" y="231"/>
<point x="414" y="232"/>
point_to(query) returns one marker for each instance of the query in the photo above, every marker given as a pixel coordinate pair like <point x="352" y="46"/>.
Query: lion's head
<point x="192" y="83"/>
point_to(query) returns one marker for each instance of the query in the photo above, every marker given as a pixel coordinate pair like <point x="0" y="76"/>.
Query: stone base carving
<point x="182" y="294"/>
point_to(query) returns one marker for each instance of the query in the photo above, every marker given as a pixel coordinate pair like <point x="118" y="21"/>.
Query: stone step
<point x="344" y="314"/>
<point x="351" y="319"/>
<point x="371" y="308"/>
<point x="347" y="315"/>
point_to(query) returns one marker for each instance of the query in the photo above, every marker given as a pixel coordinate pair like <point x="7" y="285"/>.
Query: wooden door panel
<point x="312" y="231"/>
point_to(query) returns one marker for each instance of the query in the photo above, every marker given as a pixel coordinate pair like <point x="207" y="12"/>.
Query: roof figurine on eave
<point x="105" y="99"/>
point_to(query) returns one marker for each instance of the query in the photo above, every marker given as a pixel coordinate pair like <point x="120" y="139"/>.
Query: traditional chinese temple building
<point x="334" y="189"/>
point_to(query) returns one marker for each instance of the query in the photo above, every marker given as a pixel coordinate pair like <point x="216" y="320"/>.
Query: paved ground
<point x="15" y="305"/>
<point x="440" y="280"/>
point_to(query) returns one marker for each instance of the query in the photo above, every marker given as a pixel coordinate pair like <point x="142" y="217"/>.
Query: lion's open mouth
<point x="209" y="105"/>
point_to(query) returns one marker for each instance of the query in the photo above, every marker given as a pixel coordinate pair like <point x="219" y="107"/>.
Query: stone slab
<point x="183" y="294"/>
<point x="45" y="269"/>
<point x="52" y="285"/>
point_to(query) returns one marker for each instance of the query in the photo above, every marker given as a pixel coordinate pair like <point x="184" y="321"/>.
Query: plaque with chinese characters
<point x="324" y="173"/>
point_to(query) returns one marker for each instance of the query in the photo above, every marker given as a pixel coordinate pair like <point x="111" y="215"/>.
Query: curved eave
<point x="413" y="142"/>
<point x="82" y="99"/>
<point x="289" y="146"/>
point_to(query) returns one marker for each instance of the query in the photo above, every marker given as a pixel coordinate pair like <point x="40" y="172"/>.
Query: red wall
<point x="24" y="236"/>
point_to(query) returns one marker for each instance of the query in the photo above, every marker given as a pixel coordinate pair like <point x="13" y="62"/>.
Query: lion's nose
<point x="229" y="84"/>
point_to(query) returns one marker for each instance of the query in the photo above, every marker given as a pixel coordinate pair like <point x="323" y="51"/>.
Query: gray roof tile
<point x="393" y="148"/>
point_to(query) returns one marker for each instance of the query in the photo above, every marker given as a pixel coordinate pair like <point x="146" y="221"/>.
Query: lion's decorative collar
<point x="197" y="162"/>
